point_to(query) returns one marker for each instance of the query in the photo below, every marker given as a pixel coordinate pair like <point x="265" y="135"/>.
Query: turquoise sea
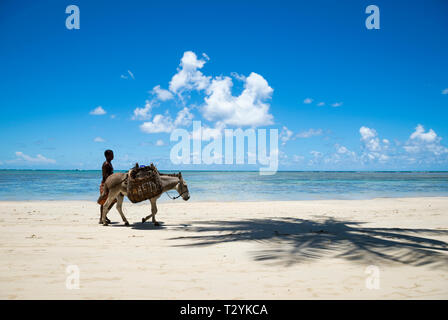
<point x="234" y="186"/>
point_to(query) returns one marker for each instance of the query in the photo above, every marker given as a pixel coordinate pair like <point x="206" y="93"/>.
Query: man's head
<point x="109" y="154"/>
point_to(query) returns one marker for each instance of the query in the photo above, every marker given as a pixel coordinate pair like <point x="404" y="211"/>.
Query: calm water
<point x="228" y="186"/>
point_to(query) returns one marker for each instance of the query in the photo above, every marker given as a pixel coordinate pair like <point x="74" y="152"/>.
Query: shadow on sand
<point x="143" y="226"/>
<point x="289" y="241"/>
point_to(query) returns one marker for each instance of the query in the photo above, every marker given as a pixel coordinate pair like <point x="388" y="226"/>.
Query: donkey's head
<point x="182" y="188"/>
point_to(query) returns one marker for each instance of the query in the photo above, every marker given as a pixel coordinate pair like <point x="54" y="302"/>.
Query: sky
<point x="343" y="97"/>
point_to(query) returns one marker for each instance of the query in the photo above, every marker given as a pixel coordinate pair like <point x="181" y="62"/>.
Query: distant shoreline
<point x="167" y="200"/>
<point x="255" y="171"/>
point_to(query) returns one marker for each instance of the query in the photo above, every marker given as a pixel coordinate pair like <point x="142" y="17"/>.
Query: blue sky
<point x="384" y="92"/>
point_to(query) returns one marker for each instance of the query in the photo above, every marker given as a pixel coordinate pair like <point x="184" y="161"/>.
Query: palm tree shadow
<point x="290" y="241"/>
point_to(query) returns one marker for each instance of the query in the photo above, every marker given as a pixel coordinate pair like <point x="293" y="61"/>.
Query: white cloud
<point x="143" y="113"/>
<point x="445" y="91"/>
<point x="321" y="104"/>
<point x="38" y="159"/>
<point x="372" y="147"/>
<point x="420" y="134"/>
<point x="188" y="76"/>
<point x="164" y="123"/>
<point x="98" y="111"/>
<point x="336" y="104"/>
<point x="309" y="133"/>
<point x="238" y="76"/>
<point x="160" y="123"/>
<point x="220" y="105"/>
<point x="247" y="109"/>
<point x="162" y="94"/>
<point x="423" y="142"/>
<point x="285" y="135"/>
<point x="342" y="150"/>
<point x="370" y="138"/>
<point x="307" y="101"/>
<point x="207" y="133"/>
<point x="183" y="118"/>
<point x="160" y="143"/>
<point x="98" y="139"/>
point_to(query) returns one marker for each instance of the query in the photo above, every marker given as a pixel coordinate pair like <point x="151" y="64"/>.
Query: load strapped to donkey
<point x="143" y="183"/>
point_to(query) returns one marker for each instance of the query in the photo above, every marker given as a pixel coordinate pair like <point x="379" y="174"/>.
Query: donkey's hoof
<point x="156" y="224"/>
<point x="126" y="223"/>
<point x="143" y="220"/>
<point x="105" y="224"/>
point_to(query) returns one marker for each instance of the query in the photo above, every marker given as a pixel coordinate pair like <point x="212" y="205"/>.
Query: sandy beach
<point x="227" y="250"/>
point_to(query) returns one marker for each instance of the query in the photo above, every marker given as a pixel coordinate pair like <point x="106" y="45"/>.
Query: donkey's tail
<point x="103" y="196"/>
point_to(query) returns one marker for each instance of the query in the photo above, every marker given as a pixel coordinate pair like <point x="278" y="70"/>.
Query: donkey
<point x="116" y="185"/>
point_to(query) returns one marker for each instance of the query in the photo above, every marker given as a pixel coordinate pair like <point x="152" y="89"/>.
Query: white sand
<point x="232" y="250"/>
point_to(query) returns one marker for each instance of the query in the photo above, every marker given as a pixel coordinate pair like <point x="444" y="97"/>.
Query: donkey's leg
<point x="120" y="198"/>
<point x="101" y="214"/>
<point x="153" y="212"/>
<point x="105" y="208"/>
<point x="111" y="198"/>
<point x="147" y="217"/>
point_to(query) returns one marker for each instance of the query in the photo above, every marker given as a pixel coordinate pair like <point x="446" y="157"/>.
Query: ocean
<point x="234" y="186"/>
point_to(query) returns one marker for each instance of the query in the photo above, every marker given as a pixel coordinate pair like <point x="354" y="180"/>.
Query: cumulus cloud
<point x="160" y="123"/>
<point x="321" y="104"/>
<point x="206" y="133"/>
<point x="143" y="113"/>
<point x="188" y="77"/>
<point x="39" y="159"/>
<point x="160" y="143"/>
<point x="336" y="104"/>
<point x="162" y="94"/>
<point x="445" y="91"/>
<point x="98" y="111"/>
<point x="345" y="152"/>
<point x="247" y="109"/>
<point x="309" y="133"/>
<point x="372" y="147"/>
<point x="98" y="139"/>
<point x="250" y="108"/>
<point x="183" y="118"/>
<point x="421" y="142"/>
<point x="164" y="123"/>
<point x="420" y="135"/>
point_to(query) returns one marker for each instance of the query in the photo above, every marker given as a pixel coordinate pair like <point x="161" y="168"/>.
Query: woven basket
<point x="143" y="183"/>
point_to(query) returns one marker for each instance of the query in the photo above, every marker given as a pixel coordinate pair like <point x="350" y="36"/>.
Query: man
<point x="108" y="169"/>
